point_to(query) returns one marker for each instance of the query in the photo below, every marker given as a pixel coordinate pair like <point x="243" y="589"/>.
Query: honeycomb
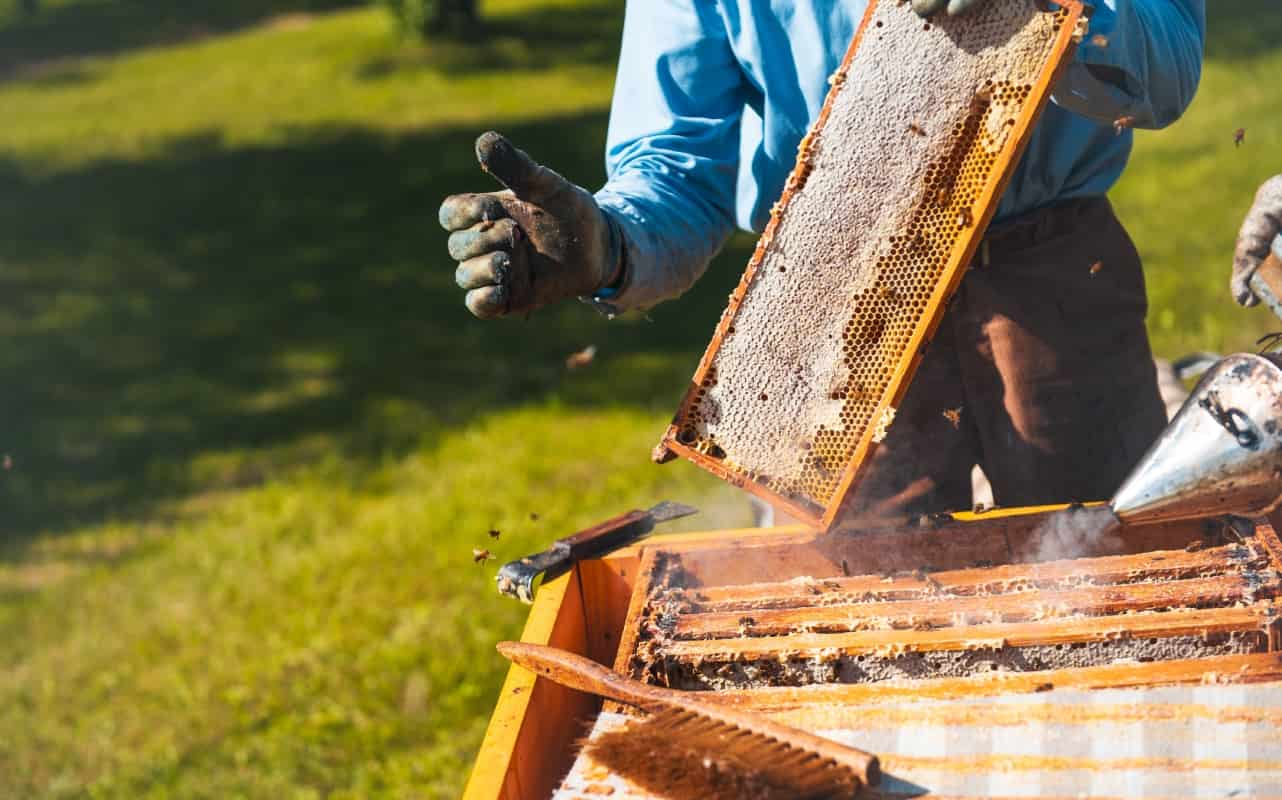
<point x="954" y="623"/>
<point x="892" y="189"/>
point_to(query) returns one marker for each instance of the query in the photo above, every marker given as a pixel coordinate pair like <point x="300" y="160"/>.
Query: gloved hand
<point x="543" y="240"/>
<point x="1262" y="226"/>
<point x="955" y="8"/>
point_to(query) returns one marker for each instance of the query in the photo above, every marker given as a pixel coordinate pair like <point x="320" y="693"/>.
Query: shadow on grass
<point x="243" y="310"/>
<point x="102" y="27"/>
<point x="1238" y="30"/>
<point x="544" y="37"/>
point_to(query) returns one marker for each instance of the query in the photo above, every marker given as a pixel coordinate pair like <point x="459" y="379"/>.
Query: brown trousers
<point x="1043" y="362"/>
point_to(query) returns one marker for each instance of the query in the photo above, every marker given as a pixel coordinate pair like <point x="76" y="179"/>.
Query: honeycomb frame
<point x="911" y="603"/>
<point x="810" y="469"/>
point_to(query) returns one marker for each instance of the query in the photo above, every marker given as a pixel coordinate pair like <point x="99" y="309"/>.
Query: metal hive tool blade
<point x="893" y="188"/>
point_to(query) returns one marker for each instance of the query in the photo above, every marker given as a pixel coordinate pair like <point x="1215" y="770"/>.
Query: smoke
<point x="1073" y="533"/>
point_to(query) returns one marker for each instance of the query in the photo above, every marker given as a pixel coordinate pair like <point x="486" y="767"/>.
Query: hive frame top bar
<point x="913" y="236"/>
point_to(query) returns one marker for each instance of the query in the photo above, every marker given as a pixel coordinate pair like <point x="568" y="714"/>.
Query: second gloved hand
<point x="1259" y="232"/>
<point x="543" y="240"/>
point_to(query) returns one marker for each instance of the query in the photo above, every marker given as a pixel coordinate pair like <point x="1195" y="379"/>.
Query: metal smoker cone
<point x="1221" y="454"/>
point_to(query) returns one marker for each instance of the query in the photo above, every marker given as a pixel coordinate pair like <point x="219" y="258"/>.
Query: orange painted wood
<point x="1168" y="564"/>
<point x="606" y="588"/>
<point x="630" y="627"/>
<point x="1252" y="668"/>
<point x="1023" y="634"/>
<point x="1266" y="533"/>
<point x="948" y="543"/>
<point x="528" y="745"/>
<point x="1030" y="606"/>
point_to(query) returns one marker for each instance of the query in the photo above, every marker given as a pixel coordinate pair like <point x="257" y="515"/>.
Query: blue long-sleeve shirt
<point x="713" y="97"/>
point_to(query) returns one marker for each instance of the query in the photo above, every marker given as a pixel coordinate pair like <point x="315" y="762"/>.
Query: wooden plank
<point x="1252" y="668"/>
<point x="820" y="556"/>
<point x="966" y="611"/>
<point x="940" y="543"/>
<point x="632" y="623"/>
<point x="1163" y="565"/>
<point x="527" y="746"/>
<point x="1023" y="634"/>
<point x="545" y="749"/>
<point x="944" y="541"/>
<point x="735" y="537"/>
<point x="1266" y="533"/>
<point x="606" y="586"/>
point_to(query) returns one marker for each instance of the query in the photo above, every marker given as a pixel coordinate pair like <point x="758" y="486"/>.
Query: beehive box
<point x="893" y="188"/>
<point x="1175" y="689"/>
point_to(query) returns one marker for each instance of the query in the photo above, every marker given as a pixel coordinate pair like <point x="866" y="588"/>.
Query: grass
<point x="254" y="435"/>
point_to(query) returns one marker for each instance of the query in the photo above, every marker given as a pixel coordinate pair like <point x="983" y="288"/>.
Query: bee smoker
<point x="1221" y="453"/>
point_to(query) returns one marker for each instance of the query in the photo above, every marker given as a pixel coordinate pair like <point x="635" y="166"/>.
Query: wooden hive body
<point x="971" y="667"/>
<point x="1192" y="726"/>
<point x="893" y="188"/>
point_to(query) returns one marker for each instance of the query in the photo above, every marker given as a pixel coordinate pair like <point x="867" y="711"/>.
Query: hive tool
<point x="517" y="578"/>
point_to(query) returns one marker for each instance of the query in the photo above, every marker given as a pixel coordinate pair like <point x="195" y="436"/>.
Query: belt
<point x="1036" y="227"/>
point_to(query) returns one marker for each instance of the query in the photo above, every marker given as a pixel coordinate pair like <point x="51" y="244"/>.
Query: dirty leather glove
<point x="954" y="8"/>
<point x="542" y="240"/>
<point x="1262" y="226"/>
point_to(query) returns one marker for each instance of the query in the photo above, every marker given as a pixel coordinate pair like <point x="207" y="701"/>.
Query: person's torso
<point x="788" y="49"/>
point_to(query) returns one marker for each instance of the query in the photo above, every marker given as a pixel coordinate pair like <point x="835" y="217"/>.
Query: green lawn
<point x="254" y="435"/>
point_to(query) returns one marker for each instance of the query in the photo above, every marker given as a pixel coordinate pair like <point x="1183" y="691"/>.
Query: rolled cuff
<point x="662" y="257"/>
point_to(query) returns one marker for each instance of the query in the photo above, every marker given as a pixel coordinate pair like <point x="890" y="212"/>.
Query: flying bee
<point x="581" y="358"/>
<point x="1122" y="123"/>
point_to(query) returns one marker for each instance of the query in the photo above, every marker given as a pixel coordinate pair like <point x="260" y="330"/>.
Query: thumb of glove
<point x="513" y="167"/>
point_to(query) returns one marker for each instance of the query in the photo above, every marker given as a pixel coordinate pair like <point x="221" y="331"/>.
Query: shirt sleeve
<point x="1141" y="60"/>
<point x="673" y="147"/>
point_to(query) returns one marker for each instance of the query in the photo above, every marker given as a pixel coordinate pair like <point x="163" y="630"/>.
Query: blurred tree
<point x="30" y="7"/>
<point x="424" y="18"/>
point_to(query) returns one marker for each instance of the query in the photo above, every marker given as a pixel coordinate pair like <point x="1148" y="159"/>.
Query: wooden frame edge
<point x="1250" y="668"/>
<point x="495" y="771"/>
